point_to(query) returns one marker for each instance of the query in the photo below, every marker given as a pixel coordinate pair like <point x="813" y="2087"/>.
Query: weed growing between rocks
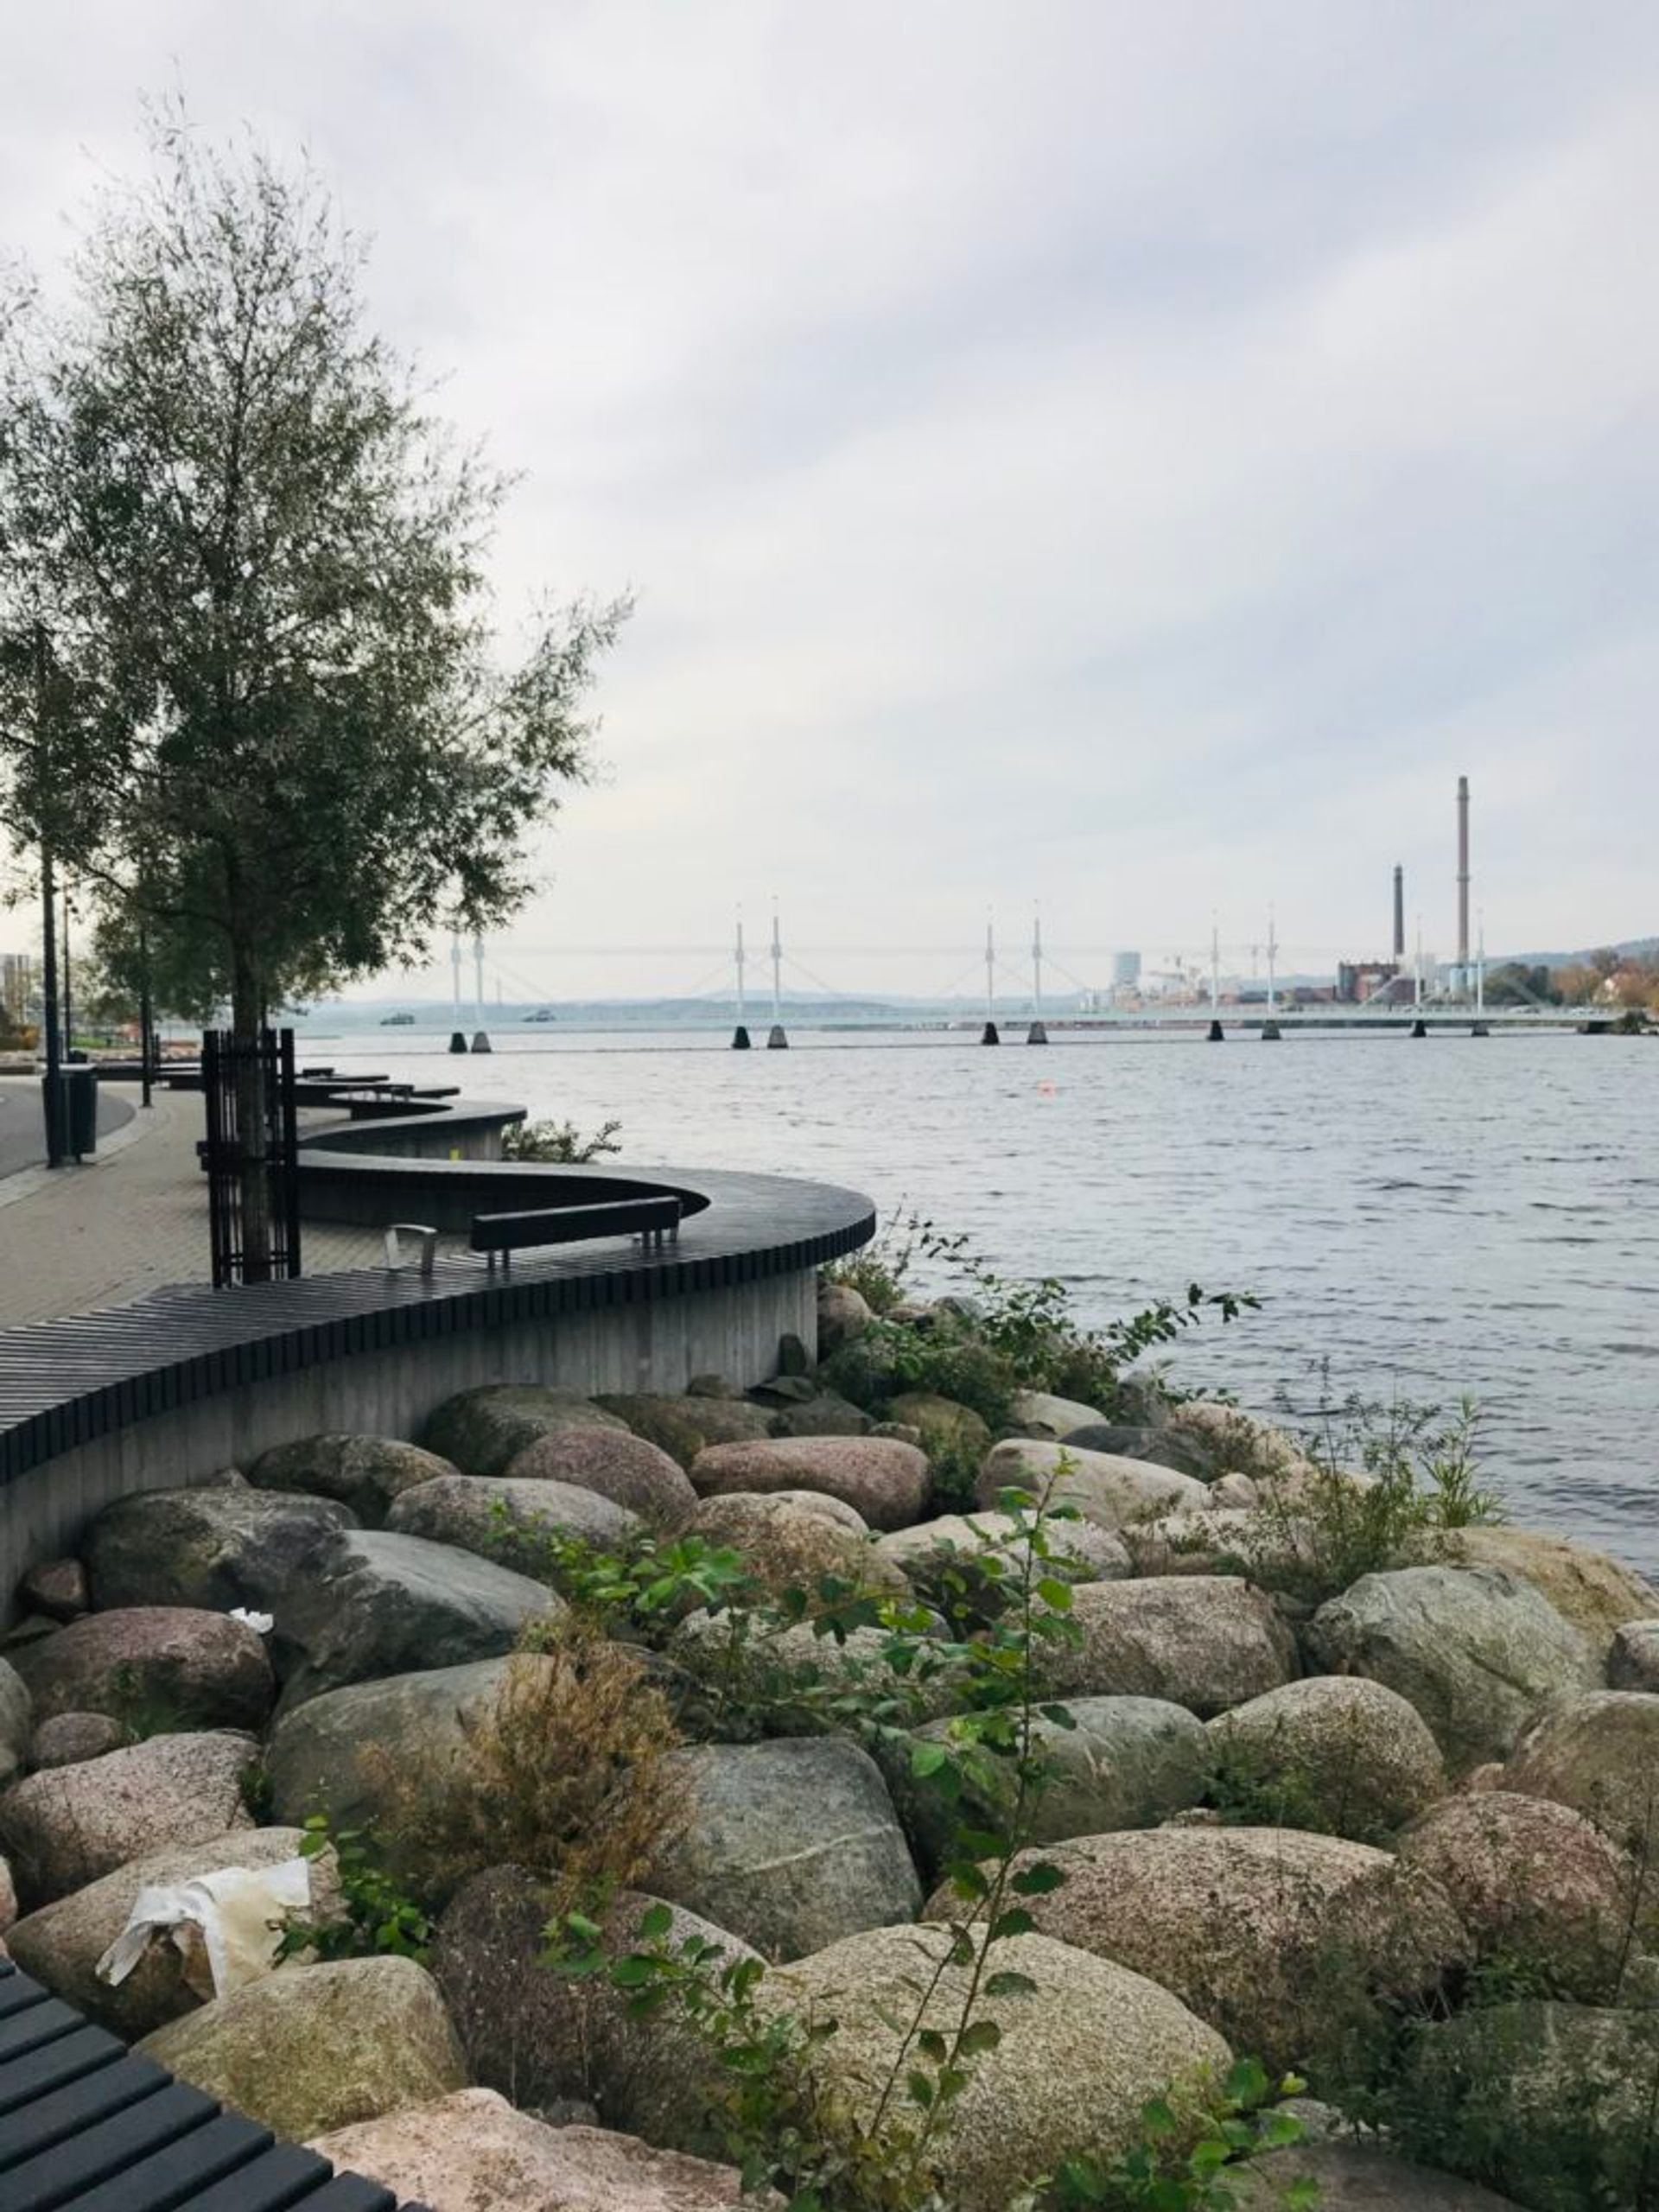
<point x="567" y="1776"/>
<point x="785" y="2116"/>
<point x="1168" y="2171"/>
<point x="1382" y="1486"/>
<point x="1000" y="1336"/>
<point x="381" y="1919"/>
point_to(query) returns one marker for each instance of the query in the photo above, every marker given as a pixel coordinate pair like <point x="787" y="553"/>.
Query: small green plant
<point x="1005" y="1335"/>
<point x="560" y="1142"/>
<point x="381" y="1917"/>
<point x="639" y="1593"/>
<point x="782" y="2120"/>
<point x="1382" y="1485"/>
<point x="1168" y="2171"/>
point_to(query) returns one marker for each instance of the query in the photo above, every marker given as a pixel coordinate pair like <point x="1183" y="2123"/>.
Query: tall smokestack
<point x="1463" y="872"/>
<point x="1399" y="913"/>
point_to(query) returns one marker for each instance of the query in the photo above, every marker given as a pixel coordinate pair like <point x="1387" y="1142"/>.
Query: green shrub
<point x="560" y="1142"/>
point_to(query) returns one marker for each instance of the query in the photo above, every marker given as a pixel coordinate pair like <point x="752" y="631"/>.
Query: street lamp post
<point x="52" y="1037"/>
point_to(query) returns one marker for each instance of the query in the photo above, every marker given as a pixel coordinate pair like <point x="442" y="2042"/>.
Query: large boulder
<point x="629" y="1470"/>
<point x="384" y="1603"/>
<point x="67" y="1827"/>
<point x="483" y="1430"/>
<point x="1280" y="1940"/>
<point x="1359" y="2177"/>
<point x="843" y="1314"/>
<point x="311" y="2048"/>
<point x="1203" y="1642"/>
<point x="544" y="2037"/>
<point x="1237" y="1443"/>
<point x="1335" y="1752"/>
<point x="1041" y="1413"/>
<point x="153" y="1667"/>
<point x="15" y="1719"/>
<point x="62" y="1943"/>
<point x="218" y="1546"/>
<point x="1111" y="1491"/>
<point x="1599" y="1753"/>
<point x="1163" y="1447"/>
<point x="1596" y="1593"/>
<point x="510" y="1519"/>
<point x="368" y="1474"/>
<point x="948" y="1431"/>
<point x="944" y="1554"/>
<point x="1538" y="1886"/>
<point x="790" y="1844"/>
<point x="1552" y="2102"/>
<point x="1633" y="1661"/>
<point x="470" y="2151"/>
<point x="789" y="1541"/>
<point x="56" y="1589"/>
<point x="343" y="1753"/>
<point x="1114" y="1763"/>
<point x="884" y="1481"/>
<point x="1476" y="1650"/>
<point x="1084" y="2045"/>
<point x="683" y="1427"/>
<point x="820" y="1412"/>
<point x="69" y="1738"/>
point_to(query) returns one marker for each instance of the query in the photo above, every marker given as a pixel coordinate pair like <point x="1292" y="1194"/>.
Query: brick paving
<point x="129" y="1221"/>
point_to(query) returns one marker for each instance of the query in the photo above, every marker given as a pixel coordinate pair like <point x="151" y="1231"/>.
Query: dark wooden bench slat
<point x="17" y="1992"/>
<point x="68" y="2169"/>
<point x="178" y="2174"/>
<point x="23" y="2080"/>
<point x="272" y="2181"/>
<point x="37" y="2127"/>
<point x="34" y="2024"/>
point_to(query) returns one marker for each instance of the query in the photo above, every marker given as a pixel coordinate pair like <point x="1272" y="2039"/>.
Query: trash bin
<point x="77" y="1108"/>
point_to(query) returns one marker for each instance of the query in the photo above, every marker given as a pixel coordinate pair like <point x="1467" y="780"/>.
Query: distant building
<point x="16" y="985"/>
<point x="1126" y="970"/>
<point x="1358" y="981"/>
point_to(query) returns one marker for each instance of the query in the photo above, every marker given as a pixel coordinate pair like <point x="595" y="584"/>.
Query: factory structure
<point x="1407" y="977"/>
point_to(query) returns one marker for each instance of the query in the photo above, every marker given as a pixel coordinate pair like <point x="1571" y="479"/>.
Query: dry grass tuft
<point x="566" y="1776"/>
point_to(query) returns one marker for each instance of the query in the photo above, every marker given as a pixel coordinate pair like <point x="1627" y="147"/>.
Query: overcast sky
<point x="1131" y="455"/>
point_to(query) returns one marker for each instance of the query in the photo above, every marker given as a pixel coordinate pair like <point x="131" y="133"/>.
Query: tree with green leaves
<point x="251" y="685"/>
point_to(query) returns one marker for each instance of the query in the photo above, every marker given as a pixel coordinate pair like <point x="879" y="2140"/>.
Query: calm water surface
<point x="1421" y="1219"/>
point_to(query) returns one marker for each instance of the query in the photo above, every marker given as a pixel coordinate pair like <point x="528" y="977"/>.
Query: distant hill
<point x="1631" y="948"/>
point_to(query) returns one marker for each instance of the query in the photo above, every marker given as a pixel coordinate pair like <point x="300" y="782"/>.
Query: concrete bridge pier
<point x="1271" y="1032"/>
<point x="741" y="1039"/>
<point x="990" y="1035"/>
<point x="1215" y="1036"/>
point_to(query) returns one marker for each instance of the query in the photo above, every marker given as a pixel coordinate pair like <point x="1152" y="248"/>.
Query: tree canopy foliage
<point x="249" y="681"/>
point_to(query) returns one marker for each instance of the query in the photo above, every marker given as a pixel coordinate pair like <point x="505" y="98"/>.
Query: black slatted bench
<point x="87" y="2126"/>
<point x="503" y="1234"/>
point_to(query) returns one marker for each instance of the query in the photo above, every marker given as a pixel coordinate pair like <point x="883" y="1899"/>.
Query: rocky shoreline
<point x="1394" y="1831"/>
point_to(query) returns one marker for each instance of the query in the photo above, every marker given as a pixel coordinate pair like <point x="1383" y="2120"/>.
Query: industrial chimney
<point x="1399" y="914"/>
<point x="1463" y="873"/>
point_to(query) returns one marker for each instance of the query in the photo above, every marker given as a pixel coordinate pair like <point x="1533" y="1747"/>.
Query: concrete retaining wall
<point x="654" y="1345"/>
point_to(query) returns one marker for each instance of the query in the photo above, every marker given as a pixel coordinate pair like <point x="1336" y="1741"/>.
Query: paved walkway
<point x="129" y="1221"/>
<point x="22" y="1123"/>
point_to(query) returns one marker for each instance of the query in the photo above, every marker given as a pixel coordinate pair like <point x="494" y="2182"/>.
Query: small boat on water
<point x="398" y="1021"/>
<point x="542" y="1014"/>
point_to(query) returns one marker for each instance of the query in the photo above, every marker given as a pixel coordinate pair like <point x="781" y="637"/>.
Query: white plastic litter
<point x="261" y="1623"/>
<point x="236" y="1916"/>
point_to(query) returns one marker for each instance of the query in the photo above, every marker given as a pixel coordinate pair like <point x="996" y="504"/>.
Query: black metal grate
<point x="252" y="1156"/>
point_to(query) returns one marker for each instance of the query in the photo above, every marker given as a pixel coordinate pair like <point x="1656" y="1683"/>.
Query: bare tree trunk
<point x="248" y="1021"/>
